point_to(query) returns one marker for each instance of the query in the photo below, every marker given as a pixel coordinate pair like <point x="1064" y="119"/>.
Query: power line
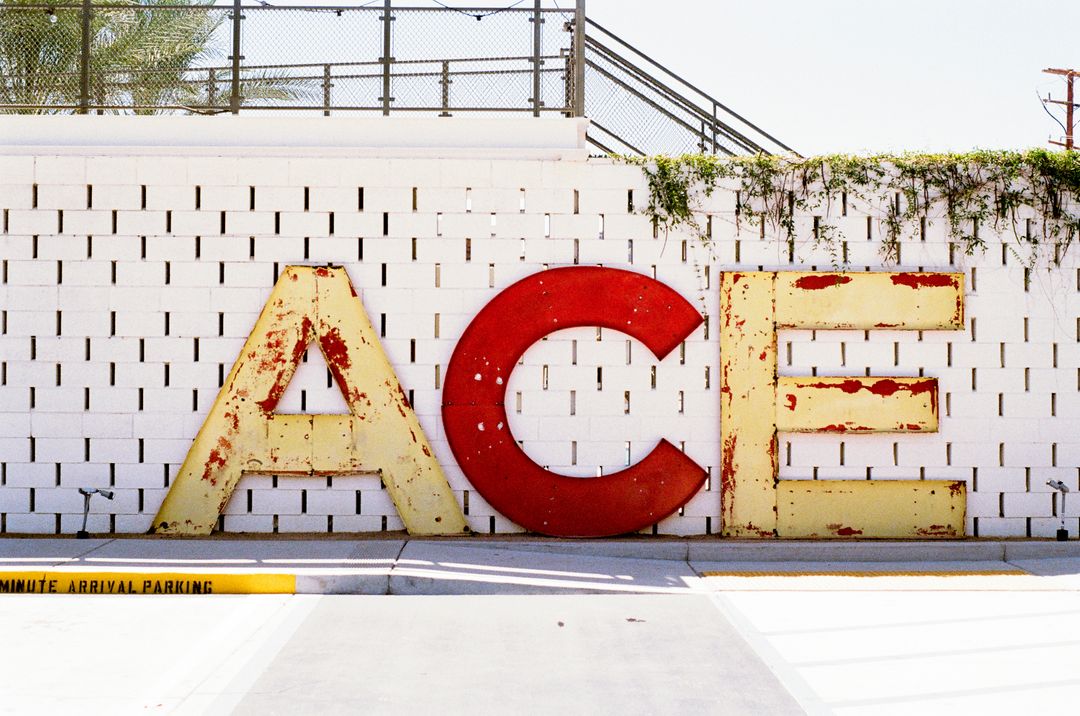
<point x="1049" y="113"/>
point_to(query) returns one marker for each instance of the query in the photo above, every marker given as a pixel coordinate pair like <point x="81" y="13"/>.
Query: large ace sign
<point x="244" y="434"/>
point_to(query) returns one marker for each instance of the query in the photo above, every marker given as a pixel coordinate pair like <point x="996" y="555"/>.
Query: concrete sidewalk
<point x="509" y="566"/>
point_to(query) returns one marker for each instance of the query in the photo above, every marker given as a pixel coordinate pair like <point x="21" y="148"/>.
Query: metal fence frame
<point x="589" y="51"/>
<point x="386" y="62"/>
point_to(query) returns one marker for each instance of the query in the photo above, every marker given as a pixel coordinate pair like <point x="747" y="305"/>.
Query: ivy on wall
<point x="1034" y="196"/>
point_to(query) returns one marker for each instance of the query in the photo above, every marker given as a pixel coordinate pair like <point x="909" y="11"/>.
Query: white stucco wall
<point x="103" y="317"/>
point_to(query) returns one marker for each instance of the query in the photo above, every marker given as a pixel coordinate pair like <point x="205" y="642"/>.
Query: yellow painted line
<point x="877" y="573"/>
<point x="71" y="582"/>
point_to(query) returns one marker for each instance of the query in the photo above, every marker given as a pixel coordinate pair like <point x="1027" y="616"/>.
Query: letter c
<point x="474" y="409"/>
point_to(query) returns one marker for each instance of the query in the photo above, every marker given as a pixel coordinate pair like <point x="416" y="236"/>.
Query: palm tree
<point x="146" y="58"/>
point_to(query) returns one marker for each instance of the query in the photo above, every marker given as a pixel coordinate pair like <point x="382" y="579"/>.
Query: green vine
<point x="1033" y="195"/>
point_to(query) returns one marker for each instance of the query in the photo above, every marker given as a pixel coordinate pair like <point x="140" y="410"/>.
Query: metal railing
<point x="626" y="91"/>
<point x="155" y="56"/>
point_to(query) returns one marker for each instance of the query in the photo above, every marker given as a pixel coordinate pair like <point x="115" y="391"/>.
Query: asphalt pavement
<point x="497" y="626"/>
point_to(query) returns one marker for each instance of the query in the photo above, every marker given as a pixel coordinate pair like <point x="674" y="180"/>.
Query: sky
<point x="867" y="75"/>
<point x="858" y="76"/>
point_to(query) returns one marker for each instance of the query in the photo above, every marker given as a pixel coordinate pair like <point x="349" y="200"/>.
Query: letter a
<point x="243" y="435"/>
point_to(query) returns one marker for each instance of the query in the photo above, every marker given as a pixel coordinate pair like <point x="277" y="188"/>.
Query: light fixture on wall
<point x="1062" y="533"/>
<point x="87" y="494"/>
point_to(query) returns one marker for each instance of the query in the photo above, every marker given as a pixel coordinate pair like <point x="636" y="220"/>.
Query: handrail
<point x="701" y="92"/>
<point x="310" y="8"/>
<point x="303" y="65"/>
<point x="678" y="120"/>
<point x="604" y="129"/>
<point x="730" y="132"/>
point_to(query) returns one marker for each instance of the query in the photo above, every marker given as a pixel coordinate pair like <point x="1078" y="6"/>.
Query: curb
<point x="483" y="566"/>
<point x="143" y="582"/>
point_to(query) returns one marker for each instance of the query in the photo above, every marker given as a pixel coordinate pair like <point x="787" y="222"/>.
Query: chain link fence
<point x="156" y="56"/>
<point x="160" y="57"/>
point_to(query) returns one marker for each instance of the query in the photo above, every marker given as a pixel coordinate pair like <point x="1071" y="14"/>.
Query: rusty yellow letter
<point x="756" y="404"/>
<point x="242" y="433"/>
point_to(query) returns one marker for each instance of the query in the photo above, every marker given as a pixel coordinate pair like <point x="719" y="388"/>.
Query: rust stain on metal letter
<point x="753" y="307"/>
<point x="242" y="434"/>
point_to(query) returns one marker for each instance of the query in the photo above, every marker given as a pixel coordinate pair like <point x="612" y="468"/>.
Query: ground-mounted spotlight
<point x="87" y="493"/>
<point x="1062" y="533"/>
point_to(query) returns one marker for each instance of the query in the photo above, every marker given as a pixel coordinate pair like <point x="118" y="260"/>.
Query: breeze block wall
<point x="138" y="252"/>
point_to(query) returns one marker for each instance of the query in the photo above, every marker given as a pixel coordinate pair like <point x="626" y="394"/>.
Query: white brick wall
<point x="101" y="325"/>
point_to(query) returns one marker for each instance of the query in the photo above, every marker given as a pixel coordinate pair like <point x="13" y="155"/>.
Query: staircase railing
<point x="639" y="106"/>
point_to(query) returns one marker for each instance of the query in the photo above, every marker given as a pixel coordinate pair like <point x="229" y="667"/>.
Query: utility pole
<point x="1069" y="76"/>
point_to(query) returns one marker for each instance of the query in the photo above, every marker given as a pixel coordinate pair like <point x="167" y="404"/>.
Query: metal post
<point x="579" y="59"/>
<point x="445" y="81"/>
<point x="84" y="60"/>
<point x="82" y="533"/>
<point x="326" y="90"/>
<point x="537" y="19"/>
<point x="1069" y="112"/>
<point x="234" y="96"/>
<point x="211" y="87"/>
<point x="386" y="58"/>
<point x="568" y="84"/>
<point x="714" y="121"/>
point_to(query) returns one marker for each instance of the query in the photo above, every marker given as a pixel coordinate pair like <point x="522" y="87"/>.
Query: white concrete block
<point x="249" y="523"/>
<point x="333" y="198"/>
<point x="278" y="198"/>
<point x="17" y="170"/>
<point x="163" y="171"/>
<point x="61" y="196"/>
<point x="196" y="223"/>
<point x="60" y="170"/>
<point x="160" y="197"/>
<point x="15" y="499"/>
<point x="34" y="221"/>
<point x="38" y="523"/>
<point x="94" y="222"/>
<point x="16" y="196"/>
<point x="212" y="171"/>
<point x="115" y="170"/>
<point x="249" y="223"/>
<point x="225" y="198"/>
<point x="315" y="171"/>
<point x="306" y="223"/>
<point x="276" y="502"/>
<point x="302" y="523"/>
<point x="246" y="274"/>
<point x="269" y="171"/>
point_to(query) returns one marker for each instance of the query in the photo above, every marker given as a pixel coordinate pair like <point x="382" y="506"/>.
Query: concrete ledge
<point x="227" y="135"/>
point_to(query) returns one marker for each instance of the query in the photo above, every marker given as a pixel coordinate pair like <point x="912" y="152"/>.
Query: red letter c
<point x="474" y="410"/>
